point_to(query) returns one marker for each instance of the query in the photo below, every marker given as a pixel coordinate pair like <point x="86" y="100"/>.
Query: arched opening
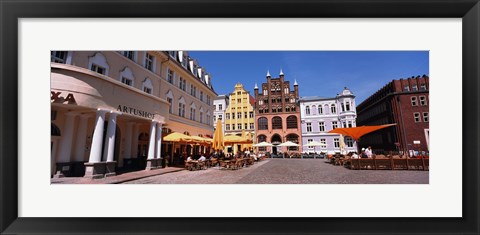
<point x="276" y="139"/>
<point x="54" y="137"/>
<point x="292" y="122"/>
<point x="276" y="122"/>
<point x="262" y="138"/>
<point x="293" y="138"/>
<point x="262" y="123"/>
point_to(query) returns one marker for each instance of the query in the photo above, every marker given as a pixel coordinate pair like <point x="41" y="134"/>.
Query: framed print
<point x="441" y="198"/>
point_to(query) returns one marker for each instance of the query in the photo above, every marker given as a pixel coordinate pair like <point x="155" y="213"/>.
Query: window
<point x="406" y="88"/>
<point x="170" y="76"/>
<point x="172" y="54"/>
<point x="184" y="59"/>
<point x="182" y="83"/>
<point x="233" y="126"/>
<point x="307" y="110"/>
<point x="239" y="115"/>
<point x="251" y="126"/>
<point x="414" y="87"/>
<point x="423" y="101"/>
<point x="343" y="108"/>
<point x="227" y="127"/>
<point x="126" y="81"/>
<point x="349" y="141"/>
<point x="58" y="57"/>
<point x="98" y="63"/>
<point x="262" y="123"/>
<point x="239" y="126"/>
<point x="309" y="127"/>
<point x="334" y="125"/>
<point x="309" y="141"/>
<point x="246" y="126"/>
<point x="201" y="117"/>
<point x="245" y="115"/>
<point x="416" y="116"/>
<point x="227" y="116"/>
<point x="220" y="106"/>
<point x="208" y="118"/>
<point x="333" y="108"/>
<point x="129" y="54"/>
<point x="147" y="86"/>
<point x="181" y="110"/>
<point x="347" y="104"/>
<point x="276" y="123"/>
<point x="251" y="114"/>
<point x="413" y="100"/>
<point x="149" y="61"/>
<point x="423" y="87"/>
<point x="98" y="69"/>
<point x="324" y="143"/>
<point x="425" y="117"/>
<point x="192" y="114"/>
<point x="292" y="122"/>
<point x="233" y="115"/>
<point x="170" y="101"/>
<point x="201" y="95"/>
<point x="193" y="90"/>
<point x="344" y="124"/>
<point x="350" y="124"/>
<point x="214" y="117"/>
<point x="239" y="101"/>
<point x="321" y="126"/>
<point x="260" y="102"/>
<point x="336" y="142"/>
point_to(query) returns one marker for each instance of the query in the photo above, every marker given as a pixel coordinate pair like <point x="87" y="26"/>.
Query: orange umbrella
<point x="218" y="136"/>
<point x="359" y="131"/>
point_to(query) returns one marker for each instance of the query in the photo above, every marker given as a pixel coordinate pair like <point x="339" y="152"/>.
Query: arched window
<point x="181" y="107"/>
<point x="326" y="108"/>
<point x="293" y="138"/>
<point x="147" y="86"/>
<point x="277" y="123"/>
<point x="169" y="97"/>
<point x="276" y="139"/>
<point x="292" y="122"/>
<point x="262" y="138"/>
<point x="314" y="109"/>
<point x="307" y="110"/>
<point x="262" y="123"/>
<point x="126" y="76"/>
<point x="333" y="109"/>
<point x="320" y="110"/>
<point x="193" y="110"/>
<point x="98" y="63"/>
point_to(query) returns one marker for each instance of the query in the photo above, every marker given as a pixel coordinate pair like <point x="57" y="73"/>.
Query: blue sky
<point x="318" y="73"/>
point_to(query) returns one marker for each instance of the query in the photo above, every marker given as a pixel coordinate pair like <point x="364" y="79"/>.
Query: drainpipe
<point x="403" y="126"/>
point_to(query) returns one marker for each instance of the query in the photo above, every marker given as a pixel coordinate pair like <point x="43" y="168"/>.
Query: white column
<point x="81" y="139"/>
<point x="159" y="141"/>
<point x="136" y="130"/>
<point x="66" y="141"/>
<point x="151" y="142"/>
<point x="97" y="139"/>
<point x="110" y="137"/>
<point x="128" y="141"/>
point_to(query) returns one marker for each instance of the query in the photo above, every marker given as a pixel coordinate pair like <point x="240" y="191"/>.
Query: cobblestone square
<point x="289" y="171"/>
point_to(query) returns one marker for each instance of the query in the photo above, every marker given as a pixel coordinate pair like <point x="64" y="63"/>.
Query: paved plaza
<point x="289" y="171"/>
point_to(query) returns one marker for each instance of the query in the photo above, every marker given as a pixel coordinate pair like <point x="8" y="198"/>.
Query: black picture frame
<point x="11" y="11"/>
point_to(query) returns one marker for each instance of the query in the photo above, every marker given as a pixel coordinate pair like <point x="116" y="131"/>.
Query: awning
<point x="357" y="132"/>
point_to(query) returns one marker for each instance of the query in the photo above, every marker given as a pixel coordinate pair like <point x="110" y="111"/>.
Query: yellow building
<point x="239" y="116"/>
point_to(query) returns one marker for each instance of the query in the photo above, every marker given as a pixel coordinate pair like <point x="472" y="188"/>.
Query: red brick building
<point x="277" y="113"/>
<point x="405" y="102"/>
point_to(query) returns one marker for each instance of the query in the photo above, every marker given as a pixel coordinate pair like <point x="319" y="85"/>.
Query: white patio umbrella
<point x="288" y="144"/>
<point x="263" y="144"/>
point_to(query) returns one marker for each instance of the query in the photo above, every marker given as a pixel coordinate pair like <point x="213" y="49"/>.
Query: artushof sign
<point x="136" y="112"/>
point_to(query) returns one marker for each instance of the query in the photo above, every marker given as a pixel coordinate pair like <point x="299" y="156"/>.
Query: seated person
<point x="189" y="159"/>
<point x="202" y="158"/>
<point x="354" y="155"/>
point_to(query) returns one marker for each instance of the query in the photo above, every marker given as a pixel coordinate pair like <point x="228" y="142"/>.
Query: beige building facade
<point x="110" y="109"/>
